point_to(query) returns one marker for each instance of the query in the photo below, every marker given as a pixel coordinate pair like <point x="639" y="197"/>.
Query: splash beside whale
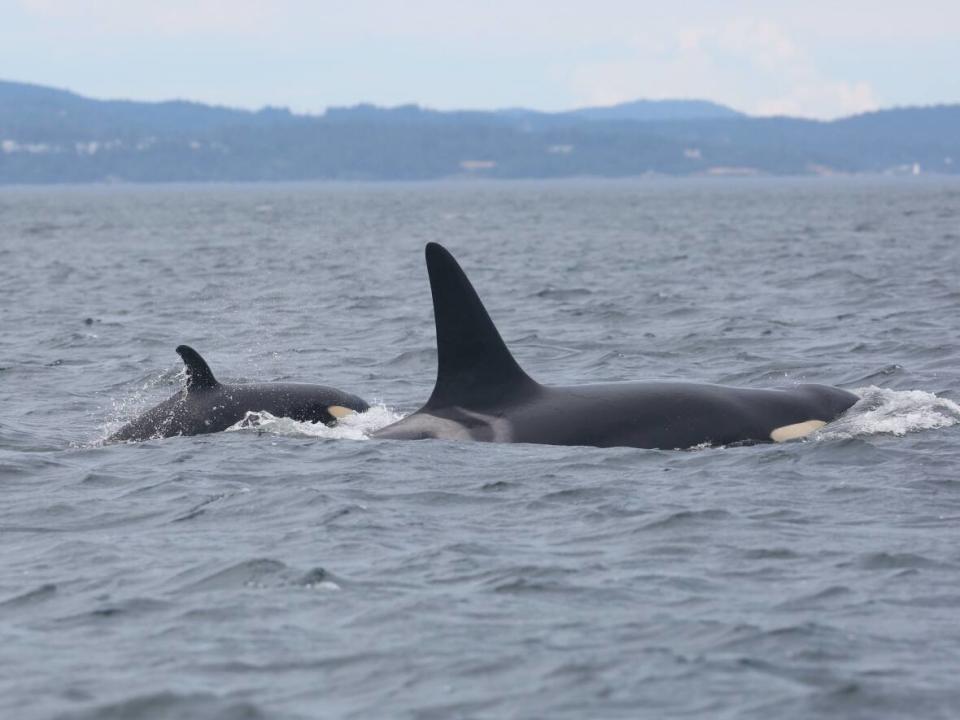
<point x="206" y="405"/>
<point x="481" y="393"/>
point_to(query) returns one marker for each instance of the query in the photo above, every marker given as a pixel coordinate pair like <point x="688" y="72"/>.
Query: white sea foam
<point x="357" y="426"/>
<point x="127" y="407"/>
<point x="881" y="411"/>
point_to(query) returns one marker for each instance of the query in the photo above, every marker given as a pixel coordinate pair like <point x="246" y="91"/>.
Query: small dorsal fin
<point x="475" y="368"/>
<point x="199" y="376"/>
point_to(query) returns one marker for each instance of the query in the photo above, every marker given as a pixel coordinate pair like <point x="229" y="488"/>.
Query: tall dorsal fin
<point x="199" y="376"/>
<point x="475" y="368"/>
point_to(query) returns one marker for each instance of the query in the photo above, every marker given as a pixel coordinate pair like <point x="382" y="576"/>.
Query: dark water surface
<point x="298" y="572"/>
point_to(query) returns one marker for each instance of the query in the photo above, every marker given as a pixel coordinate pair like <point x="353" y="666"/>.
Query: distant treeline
<point x="49" y="135"/>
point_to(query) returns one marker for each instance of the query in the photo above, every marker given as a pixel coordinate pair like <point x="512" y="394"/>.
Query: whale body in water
<point x="206" y="405"/>
<point x="481" y="393"/>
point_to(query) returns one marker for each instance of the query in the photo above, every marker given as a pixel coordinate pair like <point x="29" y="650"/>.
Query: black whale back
<point x="482" y="394"/>
<point x="474" y="366"/>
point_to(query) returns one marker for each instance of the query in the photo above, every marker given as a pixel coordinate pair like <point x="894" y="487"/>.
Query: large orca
<point x="206" y="406"/>
<point x="481" y="393"/>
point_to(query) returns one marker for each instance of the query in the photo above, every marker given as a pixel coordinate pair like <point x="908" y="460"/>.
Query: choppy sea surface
<point x="292" y="571"/>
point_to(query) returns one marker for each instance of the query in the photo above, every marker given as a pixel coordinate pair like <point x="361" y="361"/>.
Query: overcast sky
<point x="817" y="58"/>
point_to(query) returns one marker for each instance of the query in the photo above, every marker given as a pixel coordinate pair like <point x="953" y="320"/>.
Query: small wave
<point x="892" y="561"/>
<point x="124" y="409"/>
<point x="261" y="573"/>
<point x="30" y="597"/>
<point x="168" y="704"/>
<point x="686" y="519"/>
<point x="893" y="412"/>
<point x="413" y="358"/>
<point x="357" y="426"/>
<point x="552" y="293"/>
<point x="816" y="600"/>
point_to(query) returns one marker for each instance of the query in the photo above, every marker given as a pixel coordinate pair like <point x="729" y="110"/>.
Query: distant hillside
<point x="646" y="110"/>
<point x="33" y="112"/>
<point x="49" y="135"/>
<point x="638" y="111"/>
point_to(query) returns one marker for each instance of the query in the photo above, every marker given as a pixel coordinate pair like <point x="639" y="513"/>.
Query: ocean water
<point x="282" y="570"/>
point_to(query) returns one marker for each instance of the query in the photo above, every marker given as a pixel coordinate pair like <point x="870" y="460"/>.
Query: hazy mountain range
<point x="49" y="135"/>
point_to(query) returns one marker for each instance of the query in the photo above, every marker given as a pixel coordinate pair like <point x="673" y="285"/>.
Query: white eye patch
<point x="795" y="431"/>
<point x="339" y="411"/>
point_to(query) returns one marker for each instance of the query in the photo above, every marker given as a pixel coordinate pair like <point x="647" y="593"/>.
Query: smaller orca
<point x="481" y="393"/>
<point x="206" y="406"/>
